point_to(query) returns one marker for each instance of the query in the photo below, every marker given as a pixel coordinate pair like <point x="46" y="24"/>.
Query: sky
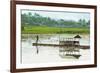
<point x="60" y="14"/>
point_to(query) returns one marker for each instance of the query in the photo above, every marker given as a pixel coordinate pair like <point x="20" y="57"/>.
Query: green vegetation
<point x="37" y="24"/>
<point x="38" y="20"/>
<point x="53" y="30"/>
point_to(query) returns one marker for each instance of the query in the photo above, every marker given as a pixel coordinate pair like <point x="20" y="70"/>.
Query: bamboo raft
<point x="60" y="45"/>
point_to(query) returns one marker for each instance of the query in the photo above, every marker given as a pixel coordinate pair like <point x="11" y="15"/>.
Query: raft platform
<point x="60" y="45"/>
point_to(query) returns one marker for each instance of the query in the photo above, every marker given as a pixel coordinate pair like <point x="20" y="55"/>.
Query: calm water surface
<point x="49" y="53"/>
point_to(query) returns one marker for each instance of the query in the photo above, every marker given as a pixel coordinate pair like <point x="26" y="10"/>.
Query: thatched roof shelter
<point x="78" y="36"/>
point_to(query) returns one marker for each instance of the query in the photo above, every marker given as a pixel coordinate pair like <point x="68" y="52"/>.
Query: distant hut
<point x="77" y="40"/>
<point x="77" y="37"/>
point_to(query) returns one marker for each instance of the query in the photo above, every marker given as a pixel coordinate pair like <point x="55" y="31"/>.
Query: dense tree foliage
<point x="38" y="20"/>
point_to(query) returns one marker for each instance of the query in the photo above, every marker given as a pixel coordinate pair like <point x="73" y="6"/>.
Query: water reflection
<point x="70" y="52"/>
<point x="37" y="54"/>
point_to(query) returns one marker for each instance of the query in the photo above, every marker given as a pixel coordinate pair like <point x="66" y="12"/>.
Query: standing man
<point x="37" y="39"/>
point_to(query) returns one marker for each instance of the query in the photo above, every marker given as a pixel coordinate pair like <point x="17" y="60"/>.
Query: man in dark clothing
<point x="37" y="39"/>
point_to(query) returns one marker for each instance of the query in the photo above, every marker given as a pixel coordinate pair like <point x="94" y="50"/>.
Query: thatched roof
<point x="77" y="36"/>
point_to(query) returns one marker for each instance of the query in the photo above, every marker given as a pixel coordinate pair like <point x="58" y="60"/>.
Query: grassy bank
<point x="53" y="30"/>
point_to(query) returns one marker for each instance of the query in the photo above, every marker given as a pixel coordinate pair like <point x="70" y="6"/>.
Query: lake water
<point x="49" y="54"/>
